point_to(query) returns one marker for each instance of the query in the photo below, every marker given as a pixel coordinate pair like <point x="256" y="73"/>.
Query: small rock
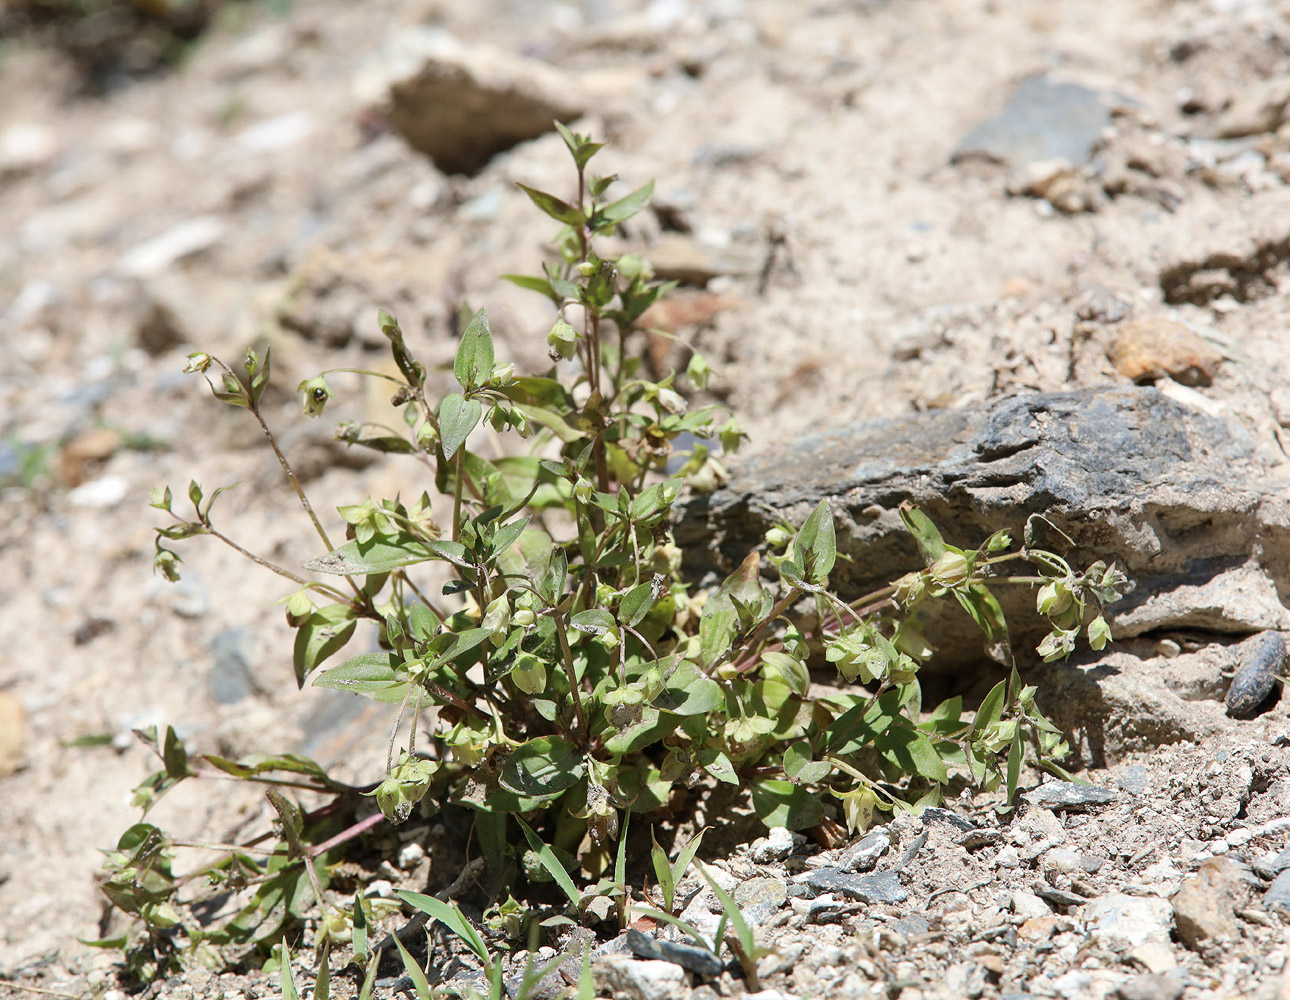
<point x="882" y="887"/>
<point x="1027" y="905"/>
<point x="1120" y="923"/>
<point x="1061" y="859"/>
<point x="1038" y="928"/>
<point x="1008" y="857"/>
<point x="697" y="960"/>
<point x="1154" y="956"/>
<point x="1278" y="895"/>
<point x="1263" y="657"/>
<point x="1071" y="796"/>
<point x="1147" y="350"/>
<point x="641" y="979"/>
<point x="80" y="456"/>
<point x="106" y="491"/>
<point x="463" y="104"/>
<point x="862" y="856"/>
<point x="410" y="855"/>
<point x="760" y="891"/>
<point x="1059" y="896"/>
<point x="775" y="846"/>
<point x="278" y="133"/>
<point x="1133" y="779"/>
<point x="1153" y="986"/>
<point x="230" y="678"/>
<point x="27" y="146"/>
<point x="190" y="237"/>
<point x="1044" y="120"/>
<point x="934" y="814"/>
<point x="1205" y="905"/>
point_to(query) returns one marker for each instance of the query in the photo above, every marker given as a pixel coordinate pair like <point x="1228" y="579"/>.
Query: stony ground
<point x="829" y="188"/>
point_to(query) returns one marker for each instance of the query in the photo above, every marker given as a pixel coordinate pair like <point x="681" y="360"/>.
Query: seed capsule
<point x="1264" y="657"/>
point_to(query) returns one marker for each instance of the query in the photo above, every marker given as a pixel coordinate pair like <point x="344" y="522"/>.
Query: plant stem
<point x="456" y="492"/>
<point x="569" y="669"/>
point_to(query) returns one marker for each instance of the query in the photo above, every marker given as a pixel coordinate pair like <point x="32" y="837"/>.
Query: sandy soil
<point x="805" y="150"/>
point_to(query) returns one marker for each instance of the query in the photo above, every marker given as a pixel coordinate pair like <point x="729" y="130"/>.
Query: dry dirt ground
<point x="803" y="154"/>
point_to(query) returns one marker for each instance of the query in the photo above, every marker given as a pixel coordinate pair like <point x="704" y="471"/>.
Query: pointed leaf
<point x="624" y="208"/>
<point x="458" y="416"/>
<point x="559" y="210"/>
<point x="474" y="363"/>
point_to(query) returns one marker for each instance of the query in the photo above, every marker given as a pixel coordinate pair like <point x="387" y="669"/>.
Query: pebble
<point x="276" y="134"/>
<point x="410" y="855"/>
<point x="106" y="491"/>
<point x="1149" y="349"/>
<point x="1134" y="779"/>
<point x="1153" y="986"/>
<point x="192" y="236"/>
<point x="230" y="677"/>
<point x="775" y="846"/>
<point x="864" y="855"/>
<point x="1154" y="956"/>
<point x="641" y="979"/>
<point x="1062" y="859"/>
<point x="1278" y="895"/>
<point x="698" y="960"/>
<point x="1027" y="905"/>
<point x="1263" y="657"/>
<point x="1069" y="795"/>
<point x="27" y="146"/>
<point x="1205" y="904"/>
<point x="1043" y="120"/>
<point x="882" y="887"/>
<point x="1119" y="922"/>
<point x="1008" y="857"/>
<point x="760" y="892"/>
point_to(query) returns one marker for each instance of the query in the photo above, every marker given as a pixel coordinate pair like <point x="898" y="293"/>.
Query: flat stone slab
<point x="1174" y="496"/>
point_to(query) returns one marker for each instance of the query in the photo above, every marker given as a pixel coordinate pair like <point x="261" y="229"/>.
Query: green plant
<point x="575" y="676"/>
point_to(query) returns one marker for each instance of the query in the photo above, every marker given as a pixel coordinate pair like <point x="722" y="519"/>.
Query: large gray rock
<point x="1171" y="494"/>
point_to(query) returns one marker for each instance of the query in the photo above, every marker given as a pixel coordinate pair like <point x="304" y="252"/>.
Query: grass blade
<point x="551" y="863"/>
<point x="415" y="972"/>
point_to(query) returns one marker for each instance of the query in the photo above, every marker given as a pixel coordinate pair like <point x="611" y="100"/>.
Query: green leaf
<point x="365" y="992"/>
<point x="978" y="602"/>
<point x="1014" y="765"/>
<point x="323" y="634"/>
<point x="257" y="764"/>
<point x="801" y="765"/>
<point x="458" y="416"/>
<point x="372" y="557"/>
<point x="912" y="751"/>
<point x="559" y="210"/>
<point x="474" y="363"/>
<point x="689" y="691"/>
<point x="555" y="422"/>
<point x="451" y="917"/>
<point x="858" y="727"/>
<point x="371" y="675"/>
<point x="597" y="621"/>
<point x="815" y="545"/>
<point x="636" y="604"/>
<point x="623" y="208"/>
<point x="544" y="766"/>
<point x="539" y="285"/>
<point x="286" y="978"/>
<point x="781" y="803"/>
<point x="651" y="727"/>
<point x="991" y="710"/>
<point x="414" y="971"/>
<point x="551" y="863"/>
<point x="929" y="540"/>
